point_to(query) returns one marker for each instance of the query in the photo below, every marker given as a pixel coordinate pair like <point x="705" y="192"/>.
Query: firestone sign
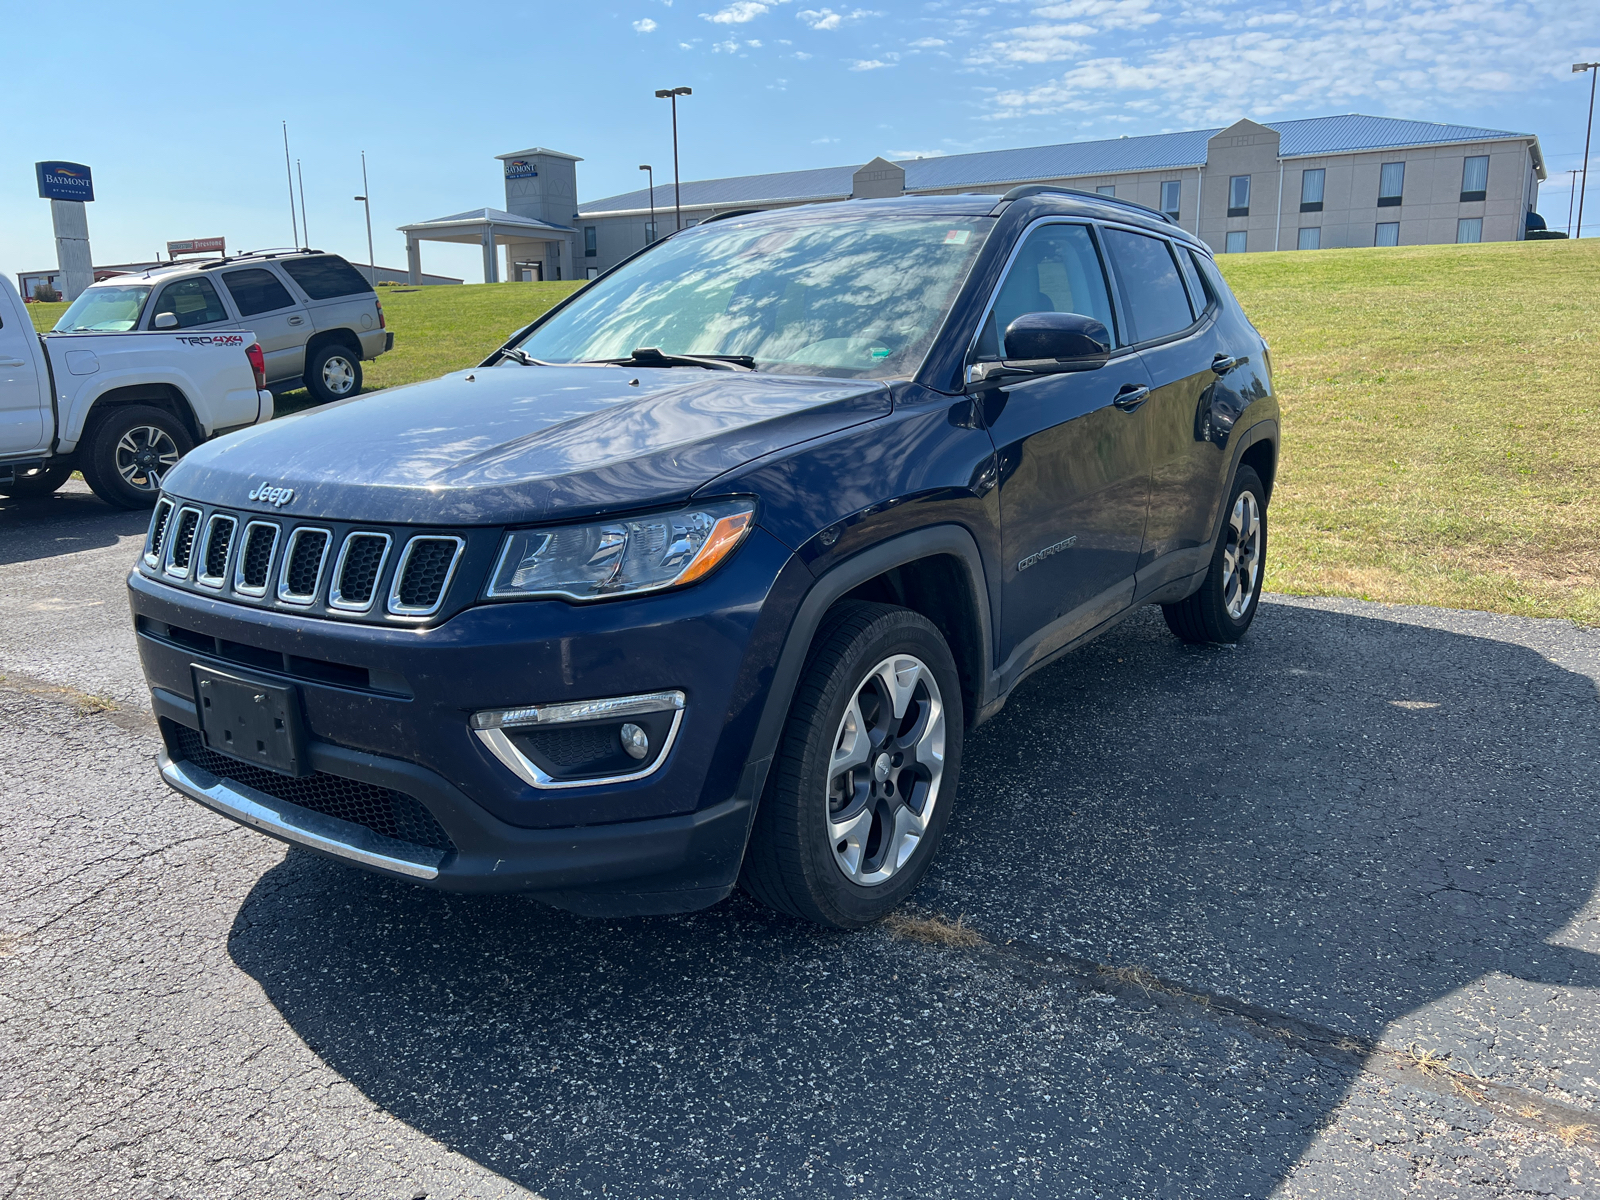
<point x="64" y="181"/>
<point x="213" y="245"/>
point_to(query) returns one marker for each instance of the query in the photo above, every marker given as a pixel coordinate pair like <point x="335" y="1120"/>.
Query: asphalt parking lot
<point x="1311" y="917"/>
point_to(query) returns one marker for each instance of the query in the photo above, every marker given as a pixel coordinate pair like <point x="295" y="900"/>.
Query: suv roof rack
<point x="212" y="263"/>
<point x="1034" y="189"/>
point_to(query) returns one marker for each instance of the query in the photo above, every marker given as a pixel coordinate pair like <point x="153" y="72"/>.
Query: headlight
<point x="621" y="557"/>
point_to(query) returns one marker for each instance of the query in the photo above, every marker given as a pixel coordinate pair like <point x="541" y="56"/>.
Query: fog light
<point x="635" y="741"/>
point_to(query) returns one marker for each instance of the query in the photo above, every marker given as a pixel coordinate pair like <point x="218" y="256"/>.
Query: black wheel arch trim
<point x="932" y="541"/>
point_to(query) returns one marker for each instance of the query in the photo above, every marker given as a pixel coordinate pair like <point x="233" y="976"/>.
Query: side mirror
<point x="166" y="321"/>
<point x="1069" y="341"/>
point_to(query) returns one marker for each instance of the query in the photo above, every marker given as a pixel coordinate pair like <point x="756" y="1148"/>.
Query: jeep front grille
<point x="423" y="575"/>
<point x="302" y="565"/>
<point x="180" y="551"/>
<point x="255" y="559"/>
<point x="214" y="557"/>
<point x="355" y="575"/>
<point x="158" y="527"/>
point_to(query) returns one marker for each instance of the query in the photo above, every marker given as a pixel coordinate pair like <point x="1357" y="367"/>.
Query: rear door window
<point x="256" y="291"/>
<point x="192" y="301"/>
<point x="1191" y="278"/>
<point x="1056" y="270"/>
<point x="1152" y="291"/>
<point x="325" y="277"/>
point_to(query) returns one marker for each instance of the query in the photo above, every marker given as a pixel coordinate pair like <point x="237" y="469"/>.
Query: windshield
<point x="106" y="309"/>
<point x="855" y="296"/>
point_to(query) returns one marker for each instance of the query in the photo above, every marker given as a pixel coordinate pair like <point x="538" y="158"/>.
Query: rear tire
<point x="1226" y="603"/>
<point x="859" y="794"/>
<point x="41" y="481"/>
<point x="129" y="452"/>
<point x="333" y="372"/>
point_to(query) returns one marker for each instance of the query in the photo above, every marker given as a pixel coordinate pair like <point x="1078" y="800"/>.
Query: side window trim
<point x="1172" y="249"/>
<point x="1011" y="258"/>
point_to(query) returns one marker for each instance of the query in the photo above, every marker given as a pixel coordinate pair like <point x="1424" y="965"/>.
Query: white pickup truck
<point x="120" y="407"/>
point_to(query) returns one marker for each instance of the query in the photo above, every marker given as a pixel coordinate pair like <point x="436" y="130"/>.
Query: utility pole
<point x="651" y="235"/>
<point x="372" y="265"/>
<point x="293" y="224"/>
<point x="673" y="94"/>
<point x="1594" y="72"/>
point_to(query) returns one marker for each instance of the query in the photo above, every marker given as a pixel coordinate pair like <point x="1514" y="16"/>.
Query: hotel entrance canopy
<point x="490" y="228"/>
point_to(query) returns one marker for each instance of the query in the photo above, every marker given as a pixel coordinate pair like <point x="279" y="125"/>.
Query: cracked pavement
<point x="1311" y="917"/>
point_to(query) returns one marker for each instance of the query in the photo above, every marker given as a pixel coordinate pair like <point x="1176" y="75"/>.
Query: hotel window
<point x="1239" y="196"/>
<point x="649" y="232"/>
<point x="1391" y="182"/>
<point x="1387" y="234"/>
<point x="1311" y="185"/>
<point x="1475" y="178"/>
<point x="1310" y="239"/>
<point x="1468" y="230"/>
<point x="1107" y="189"/>
<point x="1236" y="242"/>
<point x="589" y="248"/>
<point x="1171" y="193"/>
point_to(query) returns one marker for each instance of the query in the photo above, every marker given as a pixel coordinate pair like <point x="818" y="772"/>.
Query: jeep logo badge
<point x="275" y="496"/>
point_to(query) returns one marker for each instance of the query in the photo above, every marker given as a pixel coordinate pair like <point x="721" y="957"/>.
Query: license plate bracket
<point x="250" y="720"/>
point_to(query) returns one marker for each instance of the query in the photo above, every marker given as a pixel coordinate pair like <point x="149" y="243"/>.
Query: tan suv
<point x="314" y="314"/>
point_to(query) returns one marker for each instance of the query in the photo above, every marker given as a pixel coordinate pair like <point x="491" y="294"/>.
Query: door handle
<point x="1222" y="364"/>
<point x="12" y="362"/>
<point x="297" y="320"/>
<point x="1131" y="396"/>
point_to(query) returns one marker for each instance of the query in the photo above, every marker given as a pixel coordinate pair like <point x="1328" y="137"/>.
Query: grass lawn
<point x="1441" y="423"/>
<point x="1441" y="413"/>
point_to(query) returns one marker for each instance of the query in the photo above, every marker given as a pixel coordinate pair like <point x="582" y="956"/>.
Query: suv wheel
<point x="41" y="481"/>
<point x="333" y="373"/>
<point x="130" y="452"/>
<point x="1227" y="601"/>
<point x="866" y="772"/>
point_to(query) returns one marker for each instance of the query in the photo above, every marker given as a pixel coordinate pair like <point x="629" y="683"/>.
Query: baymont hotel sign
<point x="64" y="181"/>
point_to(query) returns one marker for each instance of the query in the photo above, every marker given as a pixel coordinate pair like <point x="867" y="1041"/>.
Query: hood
<point x="508" y="444"/>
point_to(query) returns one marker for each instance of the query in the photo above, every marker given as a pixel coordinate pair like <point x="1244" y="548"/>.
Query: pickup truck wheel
<point x="42" y="481"/>
<point x="866" y="771"/>
<point x="333" y="373"/>
<point x="130" y="452"/>
<point x="1226" y="603"/>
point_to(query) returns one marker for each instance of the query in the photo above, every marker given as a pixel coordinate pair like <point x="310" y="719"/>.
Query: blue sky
<point x="177" y="106"/>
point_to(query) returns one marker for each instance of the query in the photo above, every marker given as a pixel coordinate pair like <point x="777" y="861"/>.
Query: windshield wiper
<point x="522" y="357"/>
<point x="651" y="356"/>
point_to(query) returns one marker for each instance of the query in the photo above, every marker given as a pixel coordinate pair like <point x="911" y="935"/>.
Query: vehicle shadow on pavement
<point x="1343" y="821"/>
<point x="70" y="521"/>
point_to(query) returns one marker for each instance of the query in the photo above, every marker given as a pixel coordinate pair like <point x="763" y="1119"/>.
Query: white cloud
<point x="801" y="55"/>
<point x="826" y="18"/>
<point x="1034" y="44"/>
<point x="1102" y="14"/>
<point x="823" y="141"/>
<point x="727" y="47"/>
<point x="756" y="42"/>
<point x="928" y="43"/>
<point x="869" y="64"/>
<point x="737" y="13"/>
<point x="644" y="26"/>
<point x="898" y="155"/>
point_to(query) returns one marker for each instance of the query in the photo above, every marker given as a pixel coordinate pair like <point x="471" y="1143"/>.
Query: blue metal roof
<point x="1316" y="135"/>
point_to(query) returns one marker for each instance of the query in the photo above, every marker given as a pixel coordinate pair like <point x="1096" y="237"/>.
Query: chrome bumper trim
<point x="292" y="823"/>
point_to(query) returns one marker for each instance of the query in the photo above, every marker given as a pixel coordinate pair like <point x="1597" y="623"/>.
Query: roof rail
<point x="211" y="264"/>
<point x="1034" y="189"/>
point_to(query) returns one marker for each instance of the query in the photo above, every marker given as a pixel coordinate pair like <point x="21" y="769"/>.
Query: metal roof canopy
<point x="1348" y="133"/>
<point x="488" y="227"/>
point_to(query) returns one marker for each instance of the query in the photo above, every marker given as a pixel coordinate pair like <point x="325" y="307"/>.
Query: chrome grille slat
<point x="253" y="564"/>
<point x="212" y="571"/>
<point x="306" y="554"/>
<point x="158" y="529"/>
<point x="357" y="572"/>
<point x="423" y="576"/>
<point x="180" y="546"/>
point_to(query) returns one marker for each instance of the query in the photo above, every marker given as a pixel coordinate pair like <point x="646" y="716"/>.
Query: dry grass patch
<point x="932" y="929"/>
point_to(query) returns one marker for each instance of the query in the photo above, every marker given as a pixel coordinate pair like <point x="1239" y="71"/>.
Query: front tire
<point x="130" y="452"/>
<point x="1226" y="603"/>
<point x="39" y="482"/>
<point x="333" y="372"/>
<point x="866" y="771"/>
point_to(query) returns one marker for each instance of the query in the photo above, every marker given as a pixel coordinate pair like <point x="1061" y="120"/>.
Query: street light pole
<point x="650" y="235"/>
<point x="1594" y="69"/>
<point x="372" y="265"/>
<point x="677" y="198"/>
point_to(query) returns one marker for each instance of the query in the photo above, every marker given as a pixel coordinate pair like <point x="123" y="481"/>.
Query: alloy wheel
<point x="885" y="770"/>
<point x="144" y="456"/>
<point x="338" y="375"/>
<point x="1241" y="558"/>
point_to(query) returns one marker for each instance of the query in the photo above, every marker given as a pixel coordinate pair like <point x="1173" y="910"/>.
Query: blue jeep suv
<point x="702" y="578"/>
